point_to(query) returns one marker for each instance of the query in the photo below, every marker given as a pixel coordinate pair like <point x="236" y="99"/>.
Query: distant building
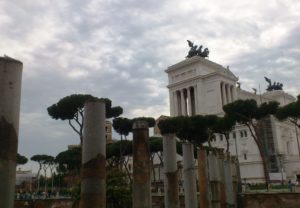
<point x="198" y="86"/>
<point x="24" y="180"/>
<point x="108" y="135"/>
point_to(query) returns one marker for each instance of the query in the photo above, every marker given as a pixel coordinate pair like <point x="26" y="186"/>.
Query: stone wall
<point x="44" y="203"/>
<point x="270" y="200"/>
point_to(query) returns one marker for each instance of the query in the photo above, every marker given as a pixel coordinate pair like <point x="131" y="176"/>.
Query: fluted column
<point x="231" y="93"/>
<point x="234" y="91"/>
<point x="228" y="93"/>
<point x="189" y="101"/>
<point x="171" y="99"/>
<point x="196" y="99"/>
<point x="224" y="93"/>
<point x="175" y="101"/>
<point x="183" y="103"/>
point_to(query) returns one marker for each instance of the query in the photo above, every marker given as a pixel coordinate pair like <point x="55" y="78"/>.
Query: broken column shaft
<point x="93" y="185"/>
<point x="141" y="192"/>
<point x="10" y="94"/>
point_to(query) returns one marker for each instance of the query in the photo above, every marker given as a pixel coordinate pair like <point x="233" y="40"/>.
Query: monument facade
<point x="198" y="86"/>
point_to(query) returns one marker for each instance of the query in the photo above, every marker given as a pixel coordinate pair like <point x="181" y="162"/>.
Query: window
<point x="242" y="134"/>
<point x="245" y="156"/>
<point x="245" y="133"/>
<point x="221" y="137"/>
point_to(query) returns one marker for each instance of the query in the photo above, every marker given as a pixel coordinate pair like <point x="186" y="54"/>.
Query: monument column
<point x="228" y="93"/>
<point x="183" y="105"/>
<point x="223" y="93"/>
<point x="172" y="104"/>
<point x="234" y="92"/>
<point x="189" y="101"/>
<point x="176" y="107"/>
<point x="196" y="99"/>
<point x="10" y="94"/>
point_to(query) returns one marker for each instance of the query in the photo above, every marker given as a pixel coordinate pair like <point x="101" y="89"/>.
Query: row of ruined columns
<point x="184" y="101"/>
<point x="217" y="177"/>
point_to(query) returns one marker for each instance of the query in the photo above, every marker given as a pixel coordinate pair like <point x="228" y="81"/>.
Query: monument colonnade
<point x="185" y="101"/>
<point x="228" y="93"/>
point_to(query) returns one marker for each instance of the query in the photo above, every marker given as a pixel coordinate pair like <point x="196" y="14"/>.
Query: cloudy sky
<point x="120" y="49"/>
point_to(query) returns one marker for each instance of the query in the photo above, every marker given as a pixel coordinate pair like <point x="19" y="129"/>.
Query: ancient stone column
<point x="141" y="192"/>
<point x="189" y="176"/>
<point x="171" y="171"/>
<point x="234" y="175"/>
<point x="93" y="185"/>
<point x="203" y="180"/>
<point x="220" y="158"/>
<point x="228" y="183"/>
<point x="10" y="93"/>
<point x="214" y="178"/>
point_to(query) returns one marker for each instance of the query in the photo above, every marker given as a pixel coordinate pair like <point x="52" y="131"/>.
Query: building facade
<point x="198" y="86"/>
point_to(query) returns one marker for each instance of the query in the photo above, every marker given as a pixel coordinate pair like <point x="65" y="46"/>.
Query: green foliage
<point x="149" y="120"/>
<point x="68" y="107"/>
<point x="168" y="126"/>
<point x="195" y="129"/>
<point x="113" y="149"/>
<point x="21" y="160"/>
<point x="123" y="126"/>
<point x="69" y="160"/>
<point x="155" y="144"/>
<point x="42" y="159"/>
<point x="243" y="111"/>
<point x="223" y="125"/>
<point x="290" y="111"/>
<point x="118" y="189"/>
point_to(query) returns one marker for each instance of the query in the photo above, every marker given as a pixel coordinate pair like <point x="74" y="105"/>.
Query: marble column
<point x="189" y="101"/>
<point x="228" y="96"/>
<point x="224" y="93"/>
<point x="196" y="99"/>
<point x="170" y="171"/>
<point x="175" y="104"/>
<point x="183" y="103"/>
<point x="189" y="176"/>
<point x="93" y="174"/>
<point x="10" y="96"/>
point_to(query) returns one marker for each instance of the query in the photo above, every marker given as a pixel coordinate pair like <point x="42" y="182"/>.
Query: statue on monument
<point x="274" y="86"/>
<point x="196" y="52"/>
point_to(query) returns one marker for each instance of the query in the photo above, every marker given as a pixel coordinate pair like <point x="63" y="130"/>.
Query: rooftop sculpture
<point x="274" y="86"/>
<point x="195" y="51"/>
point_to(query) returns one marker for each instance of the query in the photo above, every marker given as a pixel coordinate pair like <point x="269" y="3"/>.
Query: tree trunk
<point x="93" y="190"/>
<point x="141" y="193"/>
<point x="10" y="93"/>
<point x="257" y="138"/>
<point x="171" y="171"/>
<point x="189" y="177"/>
